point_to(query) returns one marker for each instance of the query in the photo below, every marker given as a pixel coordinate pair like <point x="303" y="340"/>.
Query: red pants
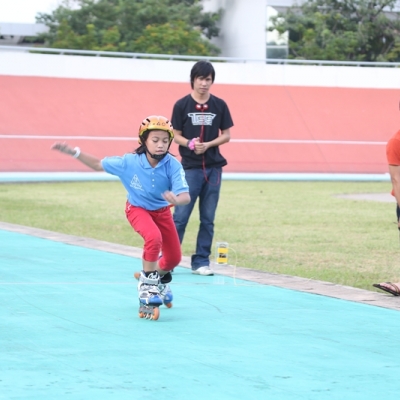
<point x="158" y="231"/>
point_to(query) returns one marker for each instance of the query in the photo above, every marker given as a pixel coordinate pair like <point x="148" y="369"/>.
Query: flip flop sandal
<point x="394" y="289"/>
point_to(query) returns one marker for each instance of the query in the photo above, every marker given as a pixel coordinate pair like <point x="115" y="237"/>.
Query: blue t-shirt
<point x="144" y="183"/>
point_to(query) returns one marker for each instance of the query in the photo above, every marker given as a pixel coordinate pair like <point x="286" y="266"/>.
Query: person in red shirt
<point x="393" y="158"/>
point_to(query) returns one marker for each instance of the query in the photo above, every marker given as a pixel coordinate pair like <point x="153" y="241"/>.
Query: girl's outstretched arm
<point x="87" y="159"/>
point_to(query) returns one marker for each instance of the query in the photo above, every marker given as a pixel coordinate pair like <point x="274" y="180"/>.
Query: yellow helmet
<point x="153" y="123"/>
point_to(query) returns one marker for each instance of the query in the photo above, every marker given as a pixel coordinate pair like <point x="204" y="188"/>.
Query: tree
<point x="344" y="30"/>
<point x="178" y="26"/>
<point x="173" y="38"/>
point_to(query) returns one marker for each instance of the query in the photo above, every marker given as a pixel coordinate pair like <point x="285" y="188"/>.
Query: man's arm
<point x="179" y="139"/>
<point x="224" y="137"/>
<point x="394" y="171"/>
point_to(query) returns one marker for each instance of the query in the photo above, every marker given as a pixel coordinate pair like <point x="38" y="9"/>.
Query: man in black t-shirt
<point x="201" y="124"/>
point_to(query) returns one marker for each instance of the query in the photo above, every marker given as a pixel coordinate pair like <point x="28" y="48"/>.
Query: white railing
<point x="44" y="50"/>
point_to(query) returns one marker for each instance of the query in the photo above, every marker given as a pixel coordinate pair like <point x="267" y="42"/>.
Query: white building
<point x="13" y="33"/>
<point x="244" y="26"/>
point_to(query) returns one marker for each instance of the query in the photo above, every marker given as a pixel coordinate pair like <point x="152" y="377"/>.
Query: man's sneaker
<point x="203" y="271"/>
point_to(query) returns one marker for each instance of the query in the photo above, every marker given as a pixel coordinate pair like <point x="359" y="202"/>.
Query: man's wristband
<point x="190" y="144"/>
<point x="77" y="152"/>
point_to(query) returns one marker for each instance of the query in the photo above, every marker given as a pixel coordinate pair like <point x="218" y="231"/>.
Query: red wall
<point x="97" y="108"/>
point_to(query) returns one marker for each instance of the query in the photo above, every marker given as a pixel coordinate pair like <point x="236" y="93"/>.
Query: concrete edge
<point x="265" y="278"/>
<point x="23" y="177"/>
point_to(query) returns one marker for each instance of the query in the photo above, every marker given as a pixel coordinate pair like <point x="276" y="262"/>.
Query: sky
<point x="24" y="11"/>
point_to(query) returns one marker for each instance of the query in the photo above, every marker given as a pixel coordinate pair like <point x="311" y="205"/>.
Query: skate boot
<point x="165" y="290"/>
<point x="149" y="295"/>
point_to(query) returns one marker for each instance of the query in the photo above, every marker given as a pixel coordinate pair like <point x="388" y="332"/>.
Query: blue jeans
<point x="204" y="185"/>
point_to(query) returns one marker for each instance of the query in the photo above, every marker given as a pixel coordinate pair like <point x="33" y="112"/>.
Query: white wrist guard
<point x="77" y="152"/>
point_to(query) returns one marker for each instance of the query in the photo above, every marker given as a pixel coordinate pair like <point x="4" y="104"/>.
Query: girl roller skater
<point x="155" y="181"/>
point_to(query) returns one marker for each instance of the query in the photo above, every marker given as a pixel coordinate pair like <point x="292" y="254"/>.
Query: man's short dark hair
<point x="202" y="69"/>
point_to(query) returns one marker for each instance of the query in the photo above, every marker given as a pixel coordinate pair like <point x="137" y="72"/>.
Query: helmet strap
<point x="157" y="157"/>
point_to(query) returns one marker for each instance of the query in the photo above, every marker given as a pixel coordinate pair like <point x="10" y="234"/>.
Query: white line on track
<point x="267" y="141"/>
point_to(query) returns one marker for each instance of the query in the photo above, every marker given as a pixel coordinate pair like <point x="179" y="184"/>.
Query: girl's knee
<point x="169" y="263"/>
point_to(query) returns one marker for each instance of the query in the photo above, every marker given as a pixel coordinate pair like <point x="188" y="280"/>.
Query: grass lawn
<point x="294" y="228"/>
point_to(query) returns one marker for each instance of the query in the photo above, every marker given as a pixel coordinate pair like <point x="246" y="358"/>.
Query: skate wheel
<point x="168" y="305"/>
<point x="141" y="315"/>
<point x="136" y="275"/>
<point x="156" y="313"/>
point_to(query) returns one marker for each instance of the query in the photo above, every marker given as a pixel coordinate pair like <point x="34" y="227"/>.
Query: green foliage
<point x="108" y="40"/>
<point x="146" y="26"/>
<point x="173" y="38"/>
<point x="350" y="30"/>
